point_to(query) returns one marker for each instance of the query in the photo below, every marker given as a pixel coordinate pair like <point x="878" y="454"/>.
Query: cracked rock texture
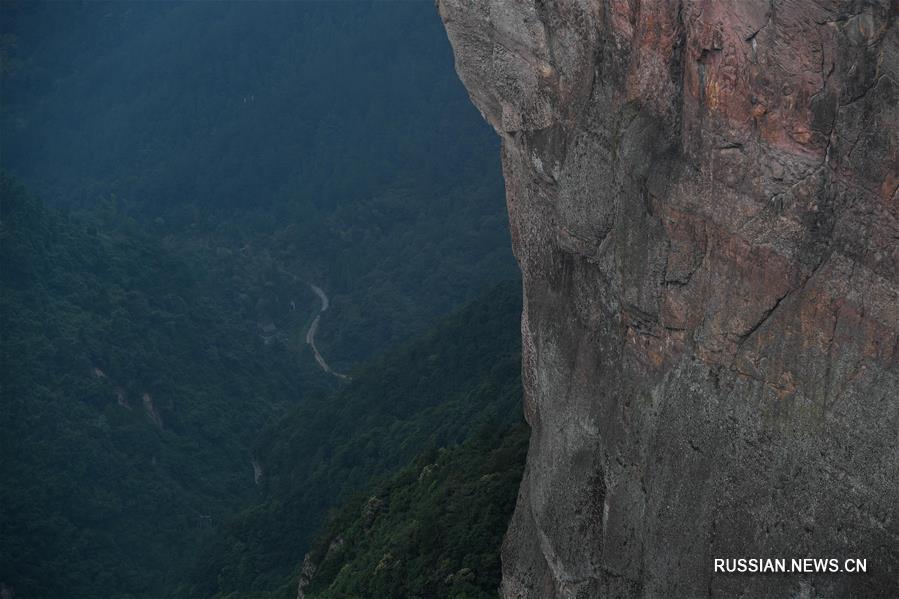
<point x="703" y="201"/>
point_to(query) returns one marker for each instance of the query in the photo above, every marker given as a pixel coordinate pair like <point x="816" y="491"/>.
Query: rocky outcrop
<point x="703" y="201"/>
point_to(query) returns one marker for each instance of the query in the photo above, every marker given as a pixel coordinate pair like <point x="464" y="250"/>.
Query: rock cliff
<point x="703" y="202"/>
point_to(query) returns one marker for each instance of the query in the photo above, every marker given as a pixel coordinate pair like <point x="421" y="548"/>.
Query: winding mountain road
<point x="313" y="329"/>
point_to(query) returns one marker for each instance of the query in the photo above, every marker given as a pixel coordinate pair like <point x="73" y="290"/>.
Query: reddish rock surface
<point x="703" y="200"/>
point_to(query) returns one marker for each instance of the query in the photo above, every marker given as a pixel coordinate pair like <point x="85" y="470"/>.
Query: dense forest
<point x="334" y="136"/>
<point x="432" y="530"/>
<point x="137" y="405"/>
<point x="174" y="176"/>
<point x="131" y="394"/>
<point x="430" y="393"/>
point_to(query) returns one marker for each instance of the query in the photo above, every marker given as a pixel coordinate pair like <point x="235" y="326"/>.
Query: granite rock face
<point x="703" y="201"/>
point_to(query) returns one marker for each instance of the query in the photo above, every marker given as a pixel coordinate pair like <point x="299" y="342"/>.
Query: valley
<point x="147" y="223"/>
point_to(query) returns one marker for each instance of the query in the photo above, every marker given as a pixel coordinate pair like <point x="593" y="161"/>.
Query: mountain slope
<point x="334" y="135"/>
<point x="432" y="392"/>
<point x="131" y="394"/>
<point x="432" y="530"/>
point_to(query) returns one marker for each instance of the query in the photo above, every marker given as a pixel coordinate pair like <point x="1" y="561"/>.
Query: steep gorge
<point x="703" y="203"/>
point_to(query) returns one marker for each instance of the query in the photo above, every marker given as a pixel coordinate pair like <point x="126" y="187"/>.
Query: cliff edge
<point x="703" y="201"/>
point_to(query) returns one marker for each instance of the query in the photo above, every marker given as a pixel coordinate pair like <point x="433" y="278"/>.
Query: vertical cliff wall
<point x="703" y="200"/>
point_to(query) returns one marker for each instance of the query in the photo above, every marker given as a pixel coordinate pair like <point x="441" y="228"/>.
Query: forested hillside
<point x="166" y="430"/>
<point x="135" y="396"/>
<point x="433" y="530"/>
<point x="333" y="134"/>
<point x="131" y="394"/>
<point x="431" y="393"/>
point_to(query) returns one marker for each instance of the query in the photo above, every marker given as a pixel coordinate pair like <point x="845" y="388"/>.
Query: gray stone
<point x="703" y="202"/>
